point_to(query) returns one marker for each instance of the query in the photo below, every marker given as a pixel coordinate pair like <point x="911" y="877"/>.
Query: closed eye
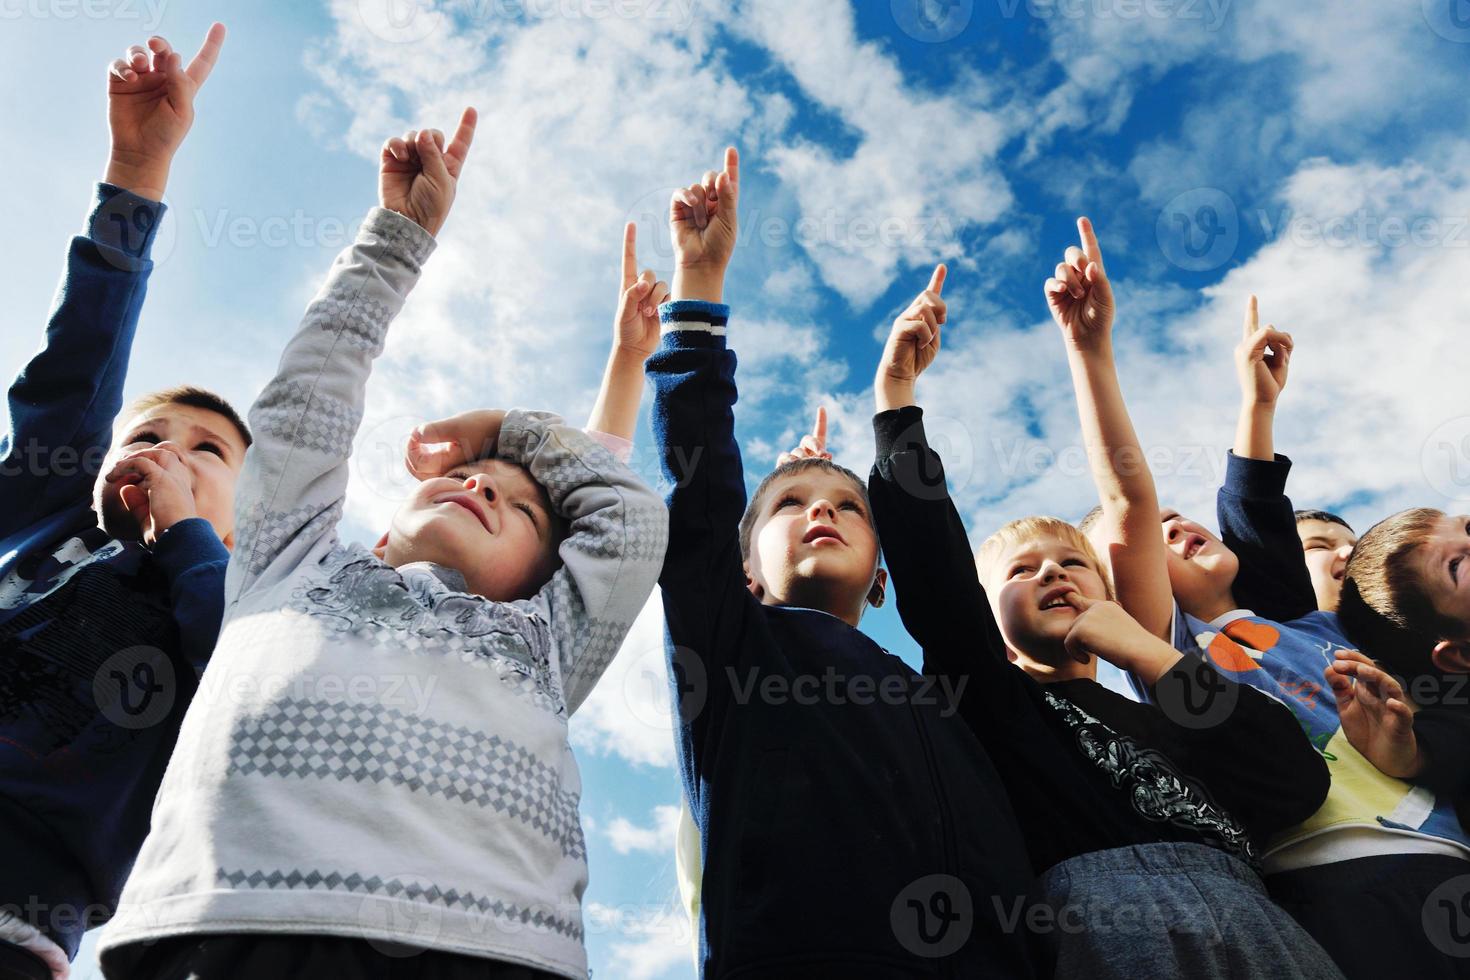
<point x="1017" y="570"/>
<point x="1455" y="570"/>
<point x="210" y="447"/>
<point x="530" y="513"/>
<point x="144" y="436"/>
<point x="1075" y="562"/>
<point x="787" y="500"/>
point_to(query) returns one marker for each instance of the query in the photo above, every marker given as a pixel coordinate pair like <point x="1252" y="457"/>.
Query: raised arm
<point x="707" y="608"/>
<point x="613" y="551"/>
<point x="292" y="487"/>
<point x="635" y="338"/>
<point x="1081" y="301"/>
<point x="1256" y="518"/>
<point x="64" y="401"/>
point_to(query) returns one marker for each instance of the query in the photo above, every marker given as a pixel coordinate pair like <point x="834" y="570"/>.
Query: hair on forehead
<point x="1325" y="516"/>
<point x="1026" y="530"/>
<point x="1383" y="584"/>
<point x="795" y="468"/>
<point x="190" y="397"/>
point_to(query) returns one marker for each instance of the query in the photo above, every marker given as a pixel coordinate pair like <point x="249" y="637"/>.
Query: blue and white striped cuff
<point x="690" y="314"/>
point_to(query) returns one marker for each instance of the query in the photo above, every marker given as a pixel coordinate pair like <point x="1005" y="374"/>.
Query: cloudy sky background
<point x="1312" y="153"/>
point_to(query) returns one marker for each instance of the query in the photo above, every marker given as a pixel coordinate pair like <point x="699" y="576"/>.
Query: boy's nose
<point x="1051" y="571"/>
<point x="822" y="507"/>
<point x="482" y="484"/>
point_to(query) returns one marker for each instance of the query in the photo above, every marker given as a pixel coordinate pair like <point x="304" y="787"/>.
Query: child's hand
<point x="813" y="445"/>
<point x="435" y="448"/>
<point x="1375" y="715"/>
<point x="157" y="488"/>
<point x="1080" y="296"/>
<point x="913" y="343"/>
<point x="637" y="325"/>
<point x="419" y="174"/>
<point x="1262" y="359"/>
<point x="703" y="221"/>
<point x="1104" y="630"/>
<point x="150" y="107"/>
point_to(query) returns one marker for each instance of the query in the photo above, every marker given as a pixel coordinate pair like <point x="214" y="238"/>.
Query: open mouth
<point x="822" y="531"/>
<point x="1194" y="545"/>
<point x="470" y="504"/>
<point x="1056" y="599"/>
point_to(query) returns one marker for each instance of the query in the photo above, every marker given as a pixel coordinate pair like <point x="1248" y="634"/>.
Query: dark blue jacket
<point x="102" y="640"/>
<point x="845" y="833"/>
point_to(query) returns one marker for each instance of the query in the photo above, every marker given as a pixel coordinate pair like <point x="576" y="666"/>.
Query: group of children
<point x="1281" y="793"/>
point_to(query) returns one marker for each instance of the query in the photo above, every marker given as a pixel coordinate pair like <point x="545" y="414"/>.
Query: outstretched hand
<point x="912" y="345"/>
<point x="637" y="326"/>
<point x="150" y="108"/>
<point x="704" y="224"/>
<point x="419" y="173"/>
<point x="1262" y="359"/>
<point x="1079" y="294"/>
<point x="813" y="445"/>
<point x="435" y="448"/>
<point x="1375" y="715"/>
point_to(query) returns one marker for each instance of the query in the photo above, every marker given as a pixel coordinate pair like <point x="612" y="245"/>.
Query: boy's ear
<point x="228" y="541"/>
<point x="1452" y="656"/>
<point x="381" y="548"/>
<point x="877" y="593"/>
<point x="754" y="587"/>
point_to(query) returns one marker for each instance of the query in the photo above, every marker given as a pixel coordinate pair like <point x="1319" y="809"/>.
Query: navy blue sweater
<point x="102" y="639"/>
<point x="842" y="832"/>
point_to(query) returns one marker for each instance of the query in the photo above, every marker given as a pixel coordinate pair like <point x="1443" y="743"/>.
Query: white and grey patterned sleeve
<point x="613" y="551"/>
<point x="295" y="476"/>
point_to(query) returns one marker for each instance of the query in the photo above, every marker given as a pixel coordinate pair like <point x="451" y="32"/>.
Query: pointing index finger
<point x="821" y="429"/>
<point x="203" y="62"/>
<point x="1090" y="247"/>
<point x="630" y="253"/>
<point x="936" y="281"/>
<point x="1252" y="317"/>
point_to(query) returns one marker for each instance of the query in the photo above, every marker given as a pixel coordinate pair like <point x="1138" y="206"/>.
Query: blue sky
<point x="1312" y="153"/>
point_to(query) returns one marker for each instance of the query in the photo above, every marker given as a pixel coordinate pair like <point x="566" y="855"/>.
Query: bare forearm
<point x="144" y="176"/>
<point x="1119" y="469"/>
<point x="890" y="393"/>
<point x="616" y="411"/>
<point x="1254" y="437"/>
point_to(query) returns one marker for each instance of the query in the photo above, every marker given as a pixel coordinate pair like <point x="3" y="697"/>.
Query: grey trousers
<point x="1161" y="911"/>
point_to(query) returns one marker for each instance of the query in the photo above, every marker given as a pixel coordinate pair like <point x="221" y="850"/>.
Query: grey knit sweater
<point x="373" y="752"/>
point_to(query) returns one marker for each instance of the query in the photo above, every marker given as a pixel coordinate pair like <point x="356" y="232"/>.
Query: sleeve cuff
<point x="898" y="430"/>
<point x="187" y="545"/>
<point x="398" y="234"/>
<point x="622" y="449"/>
<point x="124" y="221"/>
<point x="692" y="314"/>
<point x="1256" y="478"/>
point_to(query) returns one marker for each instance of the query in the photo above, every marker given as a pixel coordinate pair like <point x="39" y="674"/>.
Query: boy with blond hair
<point x="1123" y="805"/>
<point x="336" y="823"/>
<point x="115" y="526"/>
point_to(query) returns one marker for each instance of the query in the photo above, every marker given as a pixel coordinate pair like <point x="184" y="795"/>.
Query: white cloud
<point x="922" y="170"/>
<point x="657" y="838"/>
<point x="1373" y="378"/>
<point x="659" y="938"/>
<point x="629" y="714"/>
